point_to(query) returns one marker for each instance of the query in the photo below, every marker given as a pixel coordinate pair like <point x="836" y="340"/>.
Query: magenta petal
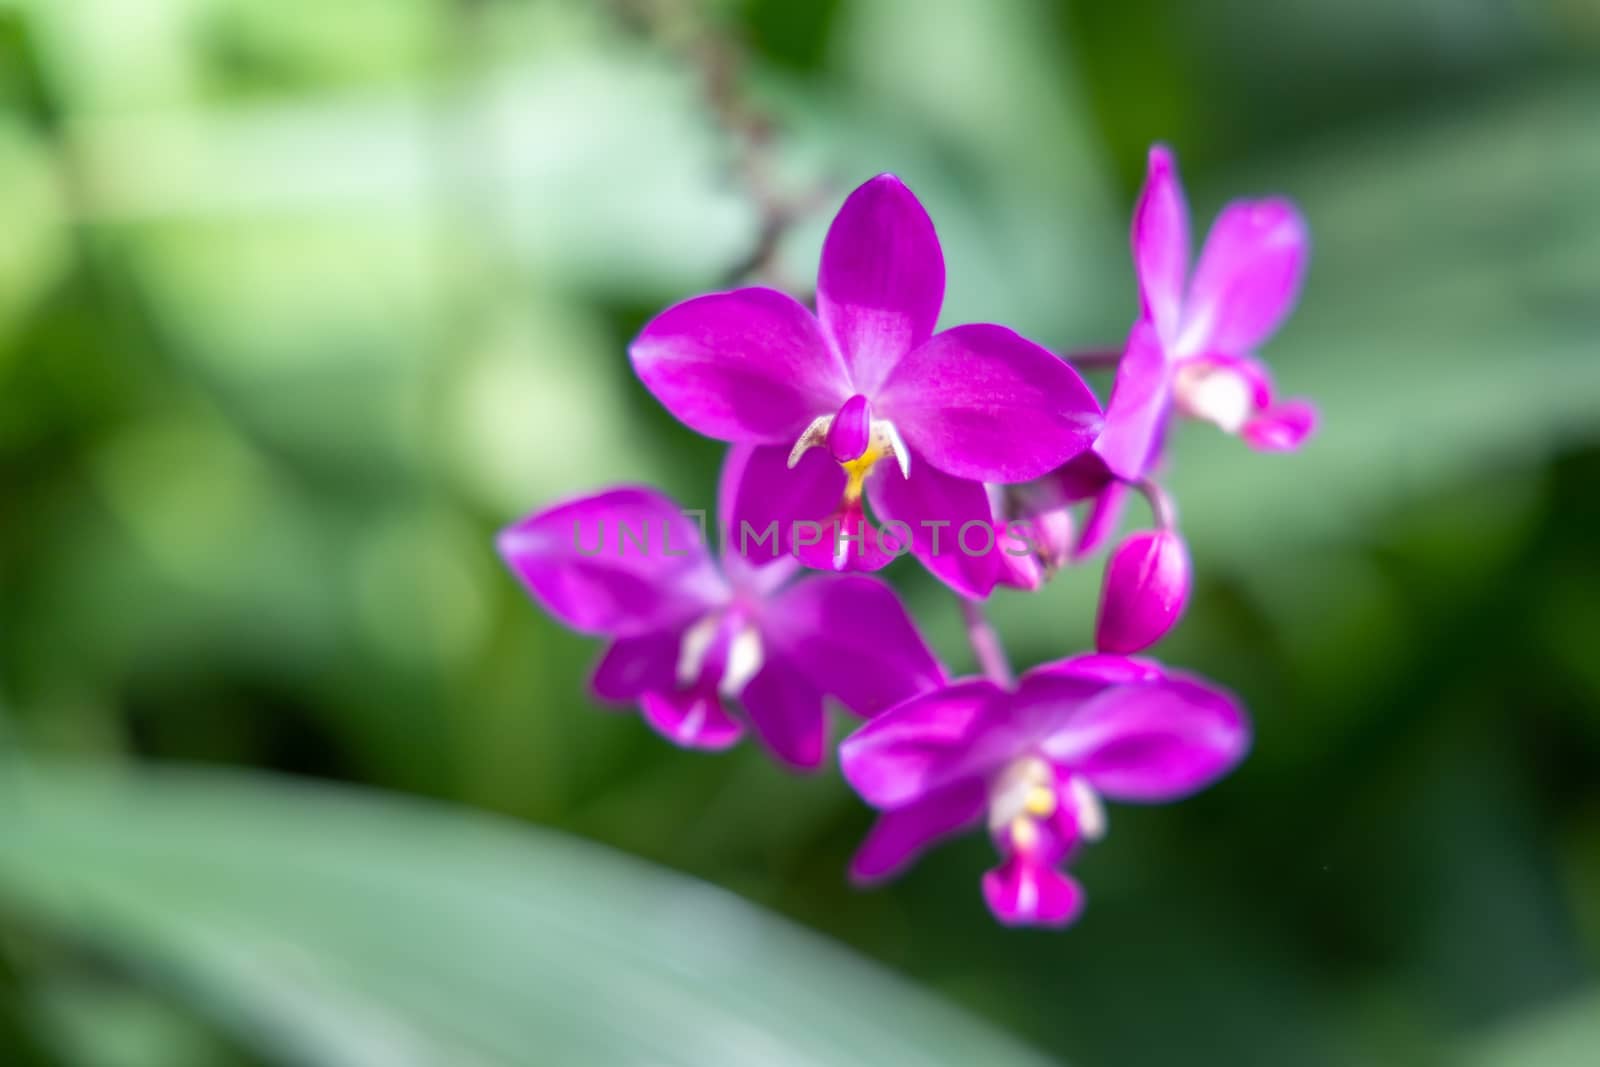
<point x="881" y="280"/>
<point x="1140" y="400"/>
<point x="1052" y="535"/>
<point x="851" y="637"/>
<point x="1248" y="278"/>
<point x="692" y="718"/>
<point x="769" y="498"/>
<point x="985" y="403"/>
<point x="633" y="666"/>
<point x="1098" y="669"/>
<point x="1083" y="477"/>
<point x="1281" y="428"/>
<point x="1155" y="742"/>
<point x="921" y="745"/>
<point x="845" y="541"/>
<point x="1023" y="893"/>
<point x="1145" y="589"/>
<point x="786" y="711"/>
<point x="622" y="562"/>
<point x="1161" y="242"/>
<point x="901" y="835"/>
<point x="748" y="365"/>
<point x="1021" y="555"/>
<point x="731" y="484"/>
<point x="950" y="523"/>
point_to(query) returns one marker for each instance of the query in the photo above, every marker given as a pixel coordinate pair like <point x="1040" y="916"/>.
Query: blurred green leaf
<point x="35" y="252"/>
<point x="1566" y="1035"/>
<point x="332" y="927"/>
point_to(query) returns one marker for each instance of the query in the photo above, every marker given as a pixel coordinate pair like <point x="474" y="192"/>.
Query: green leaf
<point x="328" y="926"/>
<point x="1566" y="1034"/>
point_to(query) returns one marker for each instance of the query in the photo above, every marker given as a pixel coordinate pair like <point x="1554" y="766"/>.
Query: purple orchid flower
<point x="690" y="638"/>
<point x="1191" y="348"/>
<point x="829" y="396"/>
<point x="1032" y="763"/>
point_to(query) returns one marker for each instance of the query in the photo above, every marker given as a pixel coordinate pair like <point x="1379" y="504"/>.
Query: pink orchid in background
<point x="1032" y="762"/>
<point x="1192" y="348"/>
<point x="828" y="397"/>
<point x="692" y="640"/>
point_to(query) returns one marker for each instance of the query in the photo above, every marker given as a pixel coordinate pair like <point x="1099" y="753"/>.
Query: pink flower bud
<point x="1146" y="587"/>
<point x="1052" y="536"/>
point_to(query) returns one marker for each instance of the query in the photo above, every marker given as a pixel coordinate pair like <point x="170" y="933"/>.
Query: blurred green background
<point x="300" y="301"/>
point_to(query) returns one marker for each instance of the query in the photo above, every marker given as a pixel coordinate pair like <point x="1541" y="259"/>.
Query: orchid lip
<point x="724" y="644"/>
<point x="1028" y="794"/>
<point x="1214" y="394"/>
<point x="882" y="440"/>
<point x="1019" y="792"/>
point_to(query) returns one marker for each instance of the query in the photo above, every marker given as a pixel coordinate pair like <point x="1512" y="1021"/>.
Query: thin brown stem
<point x="721" y="62"/>
<point x="1095" y="359"/>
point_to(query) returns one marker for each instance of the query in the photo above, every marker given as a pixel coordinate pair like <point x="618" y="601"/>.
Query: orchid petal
<point x="1248" y="278"/>
<point x="1020" y="556"/>
<point x="1140" y="400"/>
<point x="1161" y="242"/>
<point x="1099" y="669"/>
<point x="1083" y="477"/>
<point x="1154" y="742"/>
<point x="622" y="562"/>
<point x="950" y="522"/>
<point x="691" y="718"/>
<point x="845" y="541"/>
<point x="1282" y="427"/>
<point x="901" y="835"/>
<point x="851" y="638"/>
<point x="985" y="403"/>
<point x="919" y="746"/>
<point x="786" y="711"/>
<point x="1023" y="893"/>
<point x="633" y="666"/>
<point x="881" y="280"/>
<point x="767" y="498"/>
<point x="749" y="560"/>
<point x="750" y="365"/>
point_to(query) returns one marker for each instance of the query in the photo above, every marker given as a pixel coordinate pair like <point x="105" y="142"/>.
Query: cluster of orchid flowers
<point x="971" y="447"/>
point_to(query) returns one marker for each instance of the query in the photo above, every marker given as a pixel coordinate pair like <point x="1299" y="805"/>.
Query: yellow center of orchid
<point x="1040" y="802"/>
<point x="856" y="470"/>
<point x="884" y="442"/>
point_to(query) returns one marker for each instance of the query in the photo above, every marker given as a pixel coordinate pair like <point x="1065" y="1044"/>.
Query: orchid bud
<point x="1146" y="587"/>
<point x="1052" y="536"/>
<point x="1033" y="549"/>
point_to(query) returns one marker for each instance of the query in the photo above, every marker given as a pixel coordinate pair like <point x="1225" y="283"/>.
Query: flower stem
<point x="986" y="644"/>
<point x="1095" y="359"/>
<point x="1161" y="506"/>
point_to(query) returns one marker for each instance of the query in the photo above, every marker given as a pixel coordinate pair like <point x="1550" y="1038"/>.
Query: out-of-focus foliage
<point x="345" y="929"/>
<point x="299" y="301"/>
